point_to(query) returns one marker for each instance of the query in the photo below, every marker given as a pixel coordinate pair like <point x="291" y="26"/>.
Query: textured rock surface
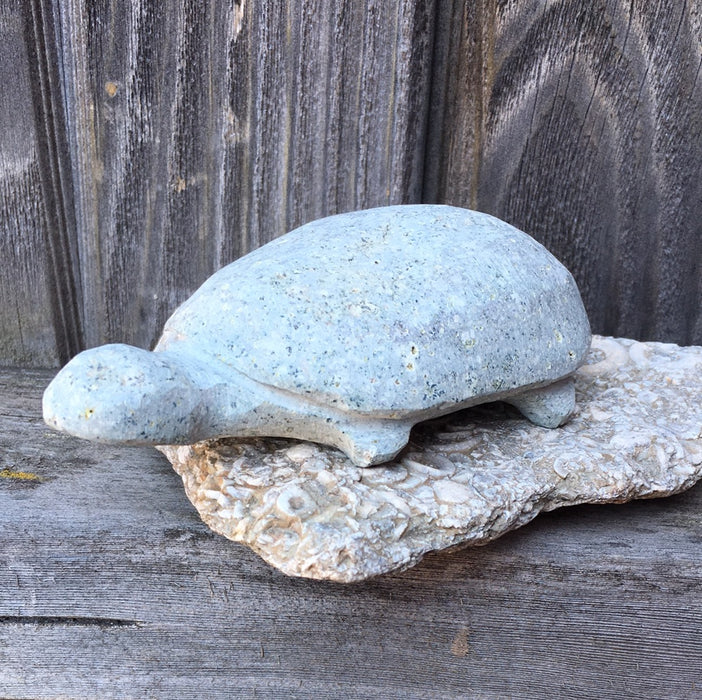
<point x="463" y="479"/>
<point x="346" y="331"/>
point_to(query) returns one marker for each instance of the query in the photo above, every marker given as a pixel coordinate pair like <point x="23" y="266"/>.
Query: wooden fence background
<point x="145" y="144"/>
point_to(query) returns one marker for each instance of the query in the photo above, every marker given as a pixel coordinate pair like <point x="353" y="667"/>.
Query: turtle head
<point x="119" y="393"/>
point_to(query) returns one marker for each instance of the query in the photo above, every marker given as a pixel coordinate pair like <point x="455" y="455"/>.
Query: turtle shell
<point x="389" y="311"/>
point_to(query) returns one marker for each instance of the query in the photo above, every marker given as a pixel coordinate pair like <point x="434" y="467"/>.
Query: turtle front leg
<point x="548" y="406"/>
<point x="369" y="442"/>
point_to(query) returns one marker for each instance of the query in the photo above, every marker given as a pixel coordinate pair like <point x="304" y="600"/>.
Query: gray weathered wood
<point x="110" y="586"/>
<point x="146" y="144"/>
<point x="39" y="315"/>
<point x="203" y="130"/>
<point x="581" y="123"/>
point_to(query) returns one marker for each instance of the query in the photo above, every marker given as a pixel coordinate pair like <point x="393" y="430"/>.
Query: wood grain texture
<point x="582" y="124"/>
<point x="203" y="130"/>
<point x="111" y="587"/>
<point x="147" y="144"/>
<point x="39" y="316"/>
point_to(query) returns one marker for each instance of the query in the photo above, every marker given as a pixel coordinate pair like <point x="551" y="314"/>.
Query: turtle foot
<point x="548" y="406"/>
<point x="374" y="441"/>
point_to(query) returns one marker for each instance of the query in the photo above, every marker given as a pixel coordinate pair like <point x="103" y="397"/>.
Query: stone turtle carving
<point x="346" y="331"/>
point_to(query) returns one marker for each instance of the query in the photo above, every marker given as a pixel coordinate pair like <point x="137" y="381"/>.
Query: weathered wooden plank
<point x="203" y="130"/>
<point x="110" y="586"/>
<point x="581" y="123"/>
<point x="159" y="141"/>
<point x="39" y="321"/>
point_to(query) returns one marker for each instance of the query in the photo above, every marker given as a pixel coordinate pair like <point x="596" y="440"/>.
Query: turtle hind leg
<point x="548" y="406"/>
<point x="369" y="442"/>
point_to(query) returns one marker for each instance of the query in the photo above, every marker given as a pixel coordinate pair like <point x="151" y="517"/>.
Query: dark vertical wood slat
<point x="587" y="135"/>
<point x="39" y="307"/>
<point x="333" y="87"/>
<point x="27" y="335"/>
<point x="453" y="147"/>
<point x="123" y="188"/>
<point x="55" y="167"/>
<point x="415" y="41"/>
<point x="677" y="155"/>
<point x="215" y="127"/>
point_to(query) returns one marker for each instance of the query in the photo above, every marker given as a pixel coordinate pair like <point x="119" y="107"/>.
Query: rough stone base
<point x="463" y="479"/>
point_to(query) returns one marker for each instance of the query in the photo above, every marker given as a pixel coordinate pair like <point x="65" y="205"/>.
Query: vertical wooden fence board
<point x="203" y="130"/>
<point x="122" y="82"/>
<point x="26" y="326"/>
<point x="39" y="316"/>
<point x="588" y="136"/>
<point x="326" y="107"/>
<point x="454" y="128"/>
<point x="169" y="138"/>
<point x="671" y="36"/>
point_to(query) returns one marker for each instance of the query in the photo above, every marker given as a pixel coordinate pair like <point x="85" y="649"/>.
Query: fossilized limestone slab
<point x="463" y="479"/>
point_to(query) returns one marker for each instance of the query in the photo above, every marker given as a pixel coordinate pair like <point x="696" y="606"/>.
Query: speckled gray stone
<point x="464" y="479"/>
<point x="346" y="331"/>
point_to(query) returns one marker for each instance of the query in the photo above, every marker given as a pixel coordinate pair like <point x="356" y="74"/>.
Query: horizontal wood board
<point x="111" y="587"/>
